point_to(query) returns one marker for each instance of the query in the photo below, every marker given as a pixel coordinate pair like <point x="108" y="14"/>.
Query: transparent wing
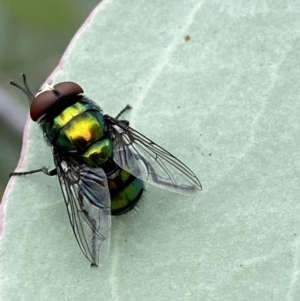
<point x="87" y="199"/>
<point x="149" y="162"/>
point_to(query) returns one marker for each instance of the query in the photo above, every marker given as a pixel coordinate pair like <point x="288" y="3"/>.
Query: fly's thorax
<point x="99" y="152"/>
<point x="75" y="126"/>
<point x="80" y="131"/>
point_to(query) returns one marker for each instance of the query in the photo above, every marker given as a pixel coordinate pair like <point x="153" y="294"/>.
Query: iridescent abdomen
<point x="125" y="192"/>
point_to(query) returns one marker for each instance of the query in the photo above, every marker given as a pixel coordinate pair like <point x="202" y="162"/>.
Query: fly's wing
<point x="149" y="162"/>
<point x="87" y="199"/>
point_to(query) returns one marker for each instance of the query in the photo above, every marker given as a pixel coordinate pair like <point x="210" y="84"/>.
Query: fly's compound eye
<point x="68" y="88"/>
<point x="45" y="100"/>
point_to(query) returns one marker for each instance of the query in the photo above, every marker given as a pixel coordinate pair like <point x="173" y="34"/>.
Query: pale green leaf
<point x="217" y="84"/>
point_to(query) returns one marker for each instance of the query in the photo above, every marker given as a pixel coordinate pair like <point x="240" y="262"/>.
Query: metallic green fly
<point x="101" y="162"/>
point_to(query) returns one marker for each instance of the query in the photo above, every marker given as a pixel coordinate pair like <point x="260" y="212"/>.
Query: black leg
<point x="44" y="170"/>
<point x="128" y="107"/>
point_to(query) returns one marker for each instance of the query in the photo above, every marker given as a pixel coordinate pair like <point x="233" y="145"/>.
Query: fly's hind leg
<point x="44" y="170"/>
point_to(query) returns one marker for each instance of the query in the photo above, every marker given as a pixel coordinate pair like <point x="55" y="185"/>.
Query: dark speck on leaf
<point x="187" y="38"/>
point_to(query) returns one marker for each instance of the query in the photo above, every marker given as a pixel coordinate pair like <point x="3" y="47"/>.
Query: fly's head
<point x="46" y="99"/>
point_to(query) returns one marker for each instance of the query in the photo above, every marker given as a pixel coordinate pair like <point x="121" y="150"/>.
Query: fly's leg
<point x="44" y="170"/>
<point x="128" y="107"/>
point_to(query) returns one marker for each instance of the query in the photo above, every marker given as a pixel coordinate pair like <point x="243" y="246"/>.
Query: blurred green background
<point x="33" y="36"/>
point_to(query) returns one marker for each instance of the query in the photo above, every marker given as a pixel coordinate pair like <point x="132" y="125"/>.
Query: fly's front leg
<point x="128" y="107"/>
<point x="44" y="170"/>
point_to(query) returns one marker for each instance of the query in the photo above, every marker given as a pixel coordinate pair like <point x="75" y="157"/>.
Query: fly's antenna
<point x="24" y="89"/>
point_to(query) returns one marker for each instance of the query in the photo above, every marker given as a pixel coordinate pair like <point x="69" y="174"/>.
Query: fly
<point x="101" y="162"/>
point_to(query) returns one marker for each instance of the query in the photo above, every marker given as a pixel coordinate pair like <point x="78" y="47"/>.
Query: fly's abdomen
<point x="125" y="191"/>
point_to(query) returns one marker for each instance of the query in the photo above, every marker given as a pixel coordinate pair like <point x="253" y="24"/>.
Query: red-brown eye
<point x="44" y="101"/>
<point x="41" y="104"/>
<point x="68" y="88"/>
